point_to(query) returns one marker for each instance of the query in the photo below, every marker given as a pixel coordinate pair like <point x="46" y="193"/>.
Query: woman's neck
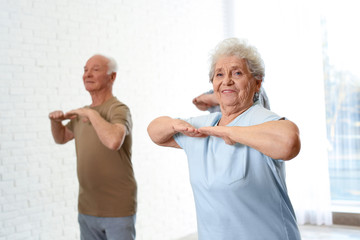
<point x="229" y="113"/>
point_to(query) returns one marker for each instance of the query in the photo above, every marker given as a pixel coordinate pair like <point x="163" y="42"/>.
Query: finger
<point x="74" y="111"/>
<point x="188" y="130"/>
<point x="194" y="134"/>
<point x="71" y="112"/>
<point x="200" y="135"/>
<point x="70" y="115"/>
<point x="191" y="129"/>
<point x="55" y="115"/>
<point x="180" y="128"/>
<point x="73" y="116"/>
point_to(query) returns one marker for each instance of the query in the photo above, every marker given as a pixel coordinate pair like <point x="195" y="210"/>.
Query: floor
<point x="335" y="232"/>
<point x="310" y="232"/>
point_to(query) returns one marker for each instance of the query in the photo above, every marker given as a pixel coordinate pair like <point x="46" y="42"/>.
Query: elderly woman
<point x="236" y="156"/>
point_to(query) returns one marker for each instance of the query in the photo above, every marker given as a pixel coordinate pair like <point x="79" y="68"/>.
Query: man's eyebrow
<point x="97" y="65"/>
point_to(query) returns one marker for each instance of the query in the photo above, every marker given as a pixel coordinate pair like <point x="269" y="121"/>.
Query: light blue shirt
<point x="239" y="192"/>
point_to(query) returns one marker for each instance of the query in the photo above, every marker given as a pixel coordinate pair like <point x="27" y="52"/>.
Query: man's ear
<point x="113" y="76"/>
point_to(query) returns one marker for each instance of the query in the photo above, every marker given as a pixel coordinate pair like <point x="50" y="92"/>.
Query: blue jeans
<point x="107" y="228"/>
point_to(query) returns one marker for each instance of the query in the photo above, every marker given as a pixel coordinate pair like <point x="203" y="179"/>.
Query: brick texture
<point x="162" y="50"/>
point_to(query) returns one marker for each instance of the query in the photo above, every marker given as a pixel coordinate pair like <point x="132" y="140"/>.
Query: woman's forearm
<point x="276" y="139"/>
<point x="161" y="131"/>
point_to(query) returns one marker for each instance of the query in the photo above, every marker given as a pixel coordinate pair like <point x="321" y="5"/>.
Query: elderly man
<point x="102" y="133"/>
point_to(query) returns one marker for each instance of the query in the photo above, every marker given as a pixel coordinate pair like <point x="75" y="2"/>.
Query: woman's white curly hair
<point x="241" y="49"/>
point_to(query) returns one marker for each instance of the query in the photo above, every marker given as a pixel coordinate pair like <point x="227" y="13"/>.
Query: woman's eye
<point x="219" y="74"/>
<point x="238" y="73"/>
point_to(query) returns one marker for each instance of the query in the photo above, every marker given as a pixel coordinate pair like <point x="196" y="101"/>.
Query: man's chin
<point x="89" y="88"/>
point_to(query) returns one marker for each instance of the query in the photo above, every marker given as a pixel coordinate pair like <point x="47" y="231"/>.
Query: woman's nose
<point x="228" y="80"/>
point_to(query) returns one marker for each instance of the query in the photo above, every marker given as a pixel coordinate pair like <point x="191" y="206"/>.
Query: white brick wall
<point x="162" y="49"/>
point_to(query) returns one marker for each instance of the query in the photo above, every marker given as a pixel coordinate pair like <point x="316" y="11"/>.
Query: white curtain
<point x="342" y="70"/>
<point x="289" y="37"/>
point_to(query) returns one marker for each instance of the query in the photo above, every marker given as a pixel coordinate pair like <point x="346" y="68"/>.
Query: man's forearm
<point x="111" y="135"/>
<point x="58" y="132"/>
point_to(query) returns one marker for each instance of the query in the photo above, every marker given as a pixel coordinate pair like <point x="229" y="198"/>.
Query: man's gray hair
<point x="112" y="65"/>
<point x="241" y="49"/>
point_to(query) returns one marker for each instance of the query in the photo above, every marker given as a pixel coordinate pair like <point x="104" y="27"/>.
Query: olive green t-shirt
<point x="106" y="177"/>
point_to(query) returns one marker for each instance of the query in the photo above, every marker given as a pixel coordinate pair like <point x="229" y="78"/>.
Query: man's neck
<point x="99" y="98"/>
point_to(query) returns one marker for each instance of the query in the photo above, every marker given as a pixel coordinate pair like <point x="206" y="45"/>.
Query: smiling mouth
<point x="227" y="91"/>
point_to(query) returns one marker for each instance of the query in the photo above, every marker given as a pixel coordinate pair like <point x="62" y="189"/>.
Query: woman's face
<point x="234" y="85"/>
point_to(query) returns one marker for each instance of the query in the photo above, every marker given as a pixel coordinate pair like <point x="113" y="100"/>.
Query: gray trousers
<point x="107" y="228"/>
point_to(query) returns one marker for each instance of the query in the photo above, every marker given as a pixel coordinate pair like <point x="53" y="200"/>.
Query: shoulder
<point x="257" y="114"/>
<point x="115" y="102"/>
<point x="118" y="112"/>
<point x="116" y="106"/>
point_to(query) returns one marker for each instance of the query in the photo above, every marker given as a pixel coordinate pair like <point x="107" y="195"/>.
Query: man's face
<point x="95" y="74"/>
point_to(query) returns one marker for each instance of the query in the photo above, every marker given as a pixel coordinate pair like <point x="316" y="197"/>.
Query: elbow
<point x="60" y="140"/>
<point x="57" y="141"/>
<point x="157" y="138"/>
<point x="152" y="134"/>
<point x="154" y="138"/>
<point x="116" y="140"/>
<point x="116" y="144"/>
<point x="292" y="147"/>
<point x="161" y="131"/>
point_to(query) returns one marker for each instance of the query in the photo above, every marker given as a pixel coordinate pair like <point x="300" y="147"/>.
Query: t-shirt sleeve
<point x="120" y="113"/>
<point x="205" y="120"/>
<point x="180" y="138"/>
<point x="262" y="115"/>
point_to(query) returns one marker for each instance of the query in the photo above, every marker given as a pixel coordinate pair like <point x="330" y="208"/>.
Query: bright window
<point x="342" y="91"/>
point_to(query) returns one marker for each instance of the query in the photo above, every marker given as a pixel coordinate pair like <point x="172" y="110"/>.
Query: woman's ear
<point x="258" y="84"/>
